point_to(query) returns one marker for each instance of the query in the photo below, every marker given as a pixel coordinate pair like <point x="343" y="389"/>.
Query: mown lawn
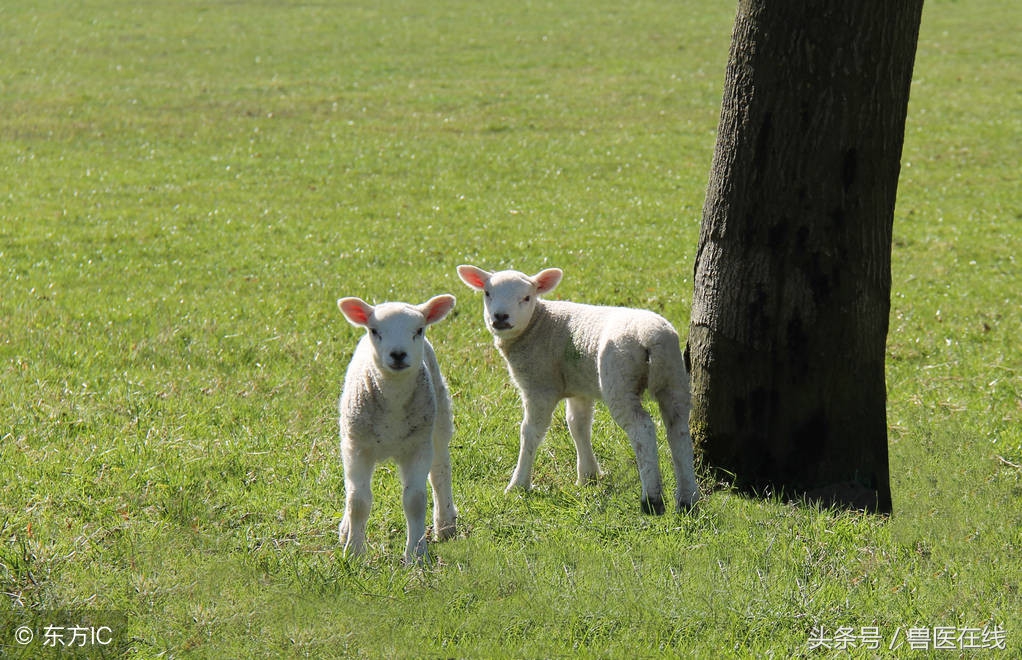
<point x="188" y="187"/>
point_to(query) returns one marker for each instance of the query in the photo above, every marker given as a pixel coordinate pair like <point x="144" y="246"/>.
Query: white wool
<point x="563" y="350"/>
<point x="395" y="404"/>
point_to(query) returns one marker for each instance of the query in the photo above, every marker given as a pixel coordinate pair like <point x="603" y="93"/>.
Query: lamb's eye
<point x="487" y="293"/>
<point x="375" y="333"/>
<point x="526" y="299"/>
<point x="418" y="333"/>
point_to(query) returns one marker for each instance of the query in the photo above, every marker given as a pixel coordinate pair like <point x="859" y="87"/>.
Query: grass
<point x="189" y="187"/>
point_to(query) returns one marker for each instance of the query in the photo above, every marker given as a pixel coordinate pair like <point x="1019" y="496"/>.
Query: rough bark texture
<point x="792" y="276"/>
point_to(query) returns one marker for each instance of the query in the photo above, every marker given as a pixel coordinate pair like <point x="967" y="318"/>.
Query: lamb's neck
<point x="394" y="387"/>
<point x="538" y="326"/>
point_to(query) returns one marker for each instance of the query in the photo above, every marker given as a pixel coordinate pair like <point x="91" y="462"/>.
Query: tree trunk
<point x="793" y="270"/>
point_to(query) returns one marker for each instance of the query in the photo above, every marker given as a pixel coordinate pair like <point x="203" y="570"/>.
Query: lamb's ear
<point x="547" y="280"/>
<point x="475" y="278"/>
<point x="356" y="310"/>
<point x="436" y="308"/>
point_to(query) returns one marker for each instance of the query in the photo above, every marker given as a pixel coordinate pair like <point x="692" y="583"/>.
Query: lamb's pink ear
<point x="475" y="278"/>
<point x="356" y="310"/>
<point x="547" y="280"/>
<point x="435" y="309"/>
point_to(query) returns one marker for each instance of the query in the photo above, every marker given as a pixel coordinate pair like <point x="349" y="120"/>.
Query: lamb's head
<point x="396" y="330"/>
<point x="510" y="296"/>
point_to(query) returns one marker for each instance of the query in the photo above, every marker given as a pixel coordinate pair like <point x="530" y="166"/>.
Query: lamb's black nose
<point x="500" y="321"/>
<point x="398" y="357"/>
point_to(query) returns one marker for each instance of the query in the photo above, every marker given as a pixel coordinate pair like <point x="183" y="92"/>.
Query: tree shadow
<point x="845" y="495"/>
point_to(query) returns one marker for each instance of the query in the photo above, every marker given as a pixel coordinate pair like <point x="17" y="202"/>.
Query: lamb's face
<point x="510" y="296"/>
<point x="397" y="333"/>
<point x="509" y="301"/>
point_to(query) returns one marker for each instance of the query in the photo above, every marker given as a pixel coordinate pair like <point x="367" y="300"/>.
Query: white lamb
<point x="562" y="350"/>
<point x="395" y="404"/>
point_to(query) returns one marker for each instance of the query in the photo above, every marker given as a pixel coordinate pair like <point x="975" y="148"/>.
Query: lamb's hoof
<point x="445" y="532"/>
<point x="653" y="506"/>
<point x="689" y="505"/>
<point x="417" y="561"/>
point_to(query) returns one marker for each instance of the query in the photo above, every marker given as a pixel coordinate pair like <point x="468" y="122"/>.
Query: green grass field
<point x="186" y="189"/>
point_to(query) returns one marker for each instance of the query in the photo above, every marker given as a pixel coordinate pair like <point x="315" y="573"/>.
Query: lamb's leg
<point x="622" y="372"/>
<point x="358" y="500"/>
<point x="539" y="408"/>
<point x="413" y="471"/>
<point x="445" y="514"/>
<point x="637" y="423"/>
<point x="579" y="412"/>
<point x="674" y="408"/>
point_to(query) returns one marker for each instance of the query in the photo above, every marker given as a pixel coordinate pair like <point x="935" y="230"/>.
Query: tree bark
<point x="793" y="271"/>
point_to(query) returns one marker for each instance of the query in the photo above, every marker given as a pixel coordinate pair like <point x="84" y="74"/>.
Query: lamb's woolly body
<point x="401" y="412"/>
<point x="563" y="350"/>
<point x="381" y="413"/>
<point x="573" y="337"/>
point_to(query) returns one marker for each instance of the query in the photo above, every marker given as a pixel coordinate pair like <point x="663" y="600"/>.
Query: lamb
<point x="563" y="350"/>
<point x="395" y="404"/>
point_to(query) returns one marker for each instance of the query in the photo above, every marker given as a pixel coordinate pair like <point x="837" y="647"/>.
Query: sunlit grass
<point x="188" y="188"/>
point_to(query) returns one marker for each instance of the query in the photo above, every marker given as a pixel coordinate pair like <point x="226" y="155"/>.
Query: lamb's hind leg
<point x="579" y="413"/>
<point x="674" y="408"/>
<point x="637" y="423"/>
<point x="445" y="514"/>
<point x="621" y="376"/>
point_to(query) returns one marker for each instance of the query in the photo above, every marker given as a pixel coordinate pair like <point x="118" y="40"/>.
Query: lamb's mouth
<point x="502" y="325"/>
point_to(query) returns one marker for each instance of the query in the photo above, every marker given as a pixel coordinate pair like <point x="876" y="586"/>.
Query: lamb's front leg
<point x="579" y="413"/>
<point x="414" y="471"/>
<point x="358" y="500"/>
<point x="539" y="408"/>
